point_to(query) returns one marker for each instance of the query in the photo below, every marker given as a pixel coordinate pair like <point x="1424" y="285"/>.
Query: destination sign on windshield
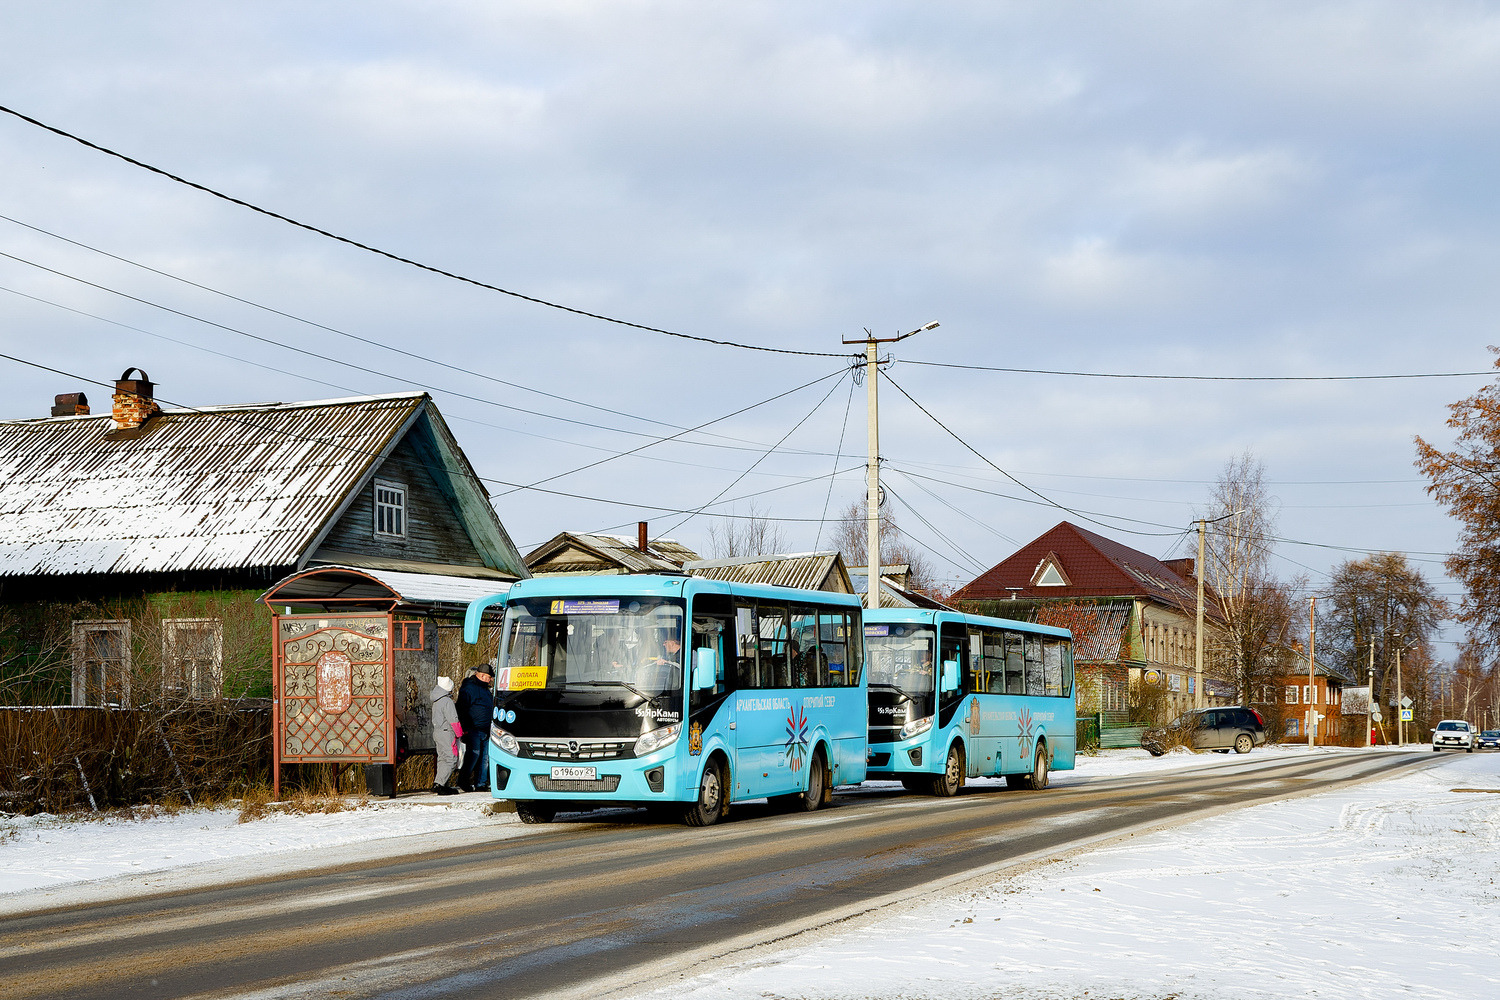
<point x="596" y="607"/>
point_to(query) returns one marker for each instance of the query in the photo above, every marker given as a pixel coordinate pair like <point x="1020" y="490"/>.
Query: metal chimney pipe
<point x="640" y="535"/>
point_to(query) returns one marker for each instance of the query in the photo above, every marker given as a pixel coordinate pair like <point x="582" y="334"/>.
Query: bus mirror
<point x="705" y="670"/>
<point x="950" y="675"/>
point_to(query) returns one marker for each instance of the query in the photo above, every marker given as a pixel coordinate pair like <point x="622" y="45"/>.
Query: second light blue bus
<point x="955" y="696"/>
<point x="673" y="692"/>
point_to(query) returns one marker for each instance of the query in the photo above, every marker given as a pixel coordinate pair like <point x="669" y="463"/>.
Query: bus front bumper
<point x="891" y="760"/>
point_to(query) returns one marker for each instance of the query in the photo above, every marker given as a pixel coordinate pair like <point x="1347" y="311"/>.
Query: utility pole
<point x="1199" y="572"/>
<point x="872" y="474"/>
<point x="1202" y="700"/>
<point x="1400" y="709"/>
<point x="1312" y="683"/>
<point x="1370" y="698"/>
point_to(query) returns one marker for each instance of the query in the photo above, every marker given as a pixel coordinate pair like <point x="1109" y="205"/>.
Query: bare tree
<point x="1255" y="610"/>
<point x="754" y="534"/>
<point x="1380" y="599"/>
<point x="851" y="535"/>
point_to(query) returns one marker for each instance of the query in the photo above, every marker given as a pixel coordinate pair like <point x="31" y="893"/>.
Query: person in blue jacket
<point x="476" y="705"/>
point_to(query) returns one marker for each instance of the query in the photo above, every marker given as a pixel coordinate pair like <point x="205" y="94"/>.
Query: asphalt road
<point x="555" y="911"/>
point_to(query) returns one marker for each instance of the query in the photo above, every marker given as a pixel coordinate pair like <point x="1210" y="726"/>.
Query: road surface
<point x="586" y="904"/>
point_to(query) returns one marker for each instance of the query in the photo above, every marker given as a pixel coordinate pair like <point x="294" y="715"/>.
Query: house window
<point x="1291" y="694"/>
<point x="390" y="509"/>
<point x="101" y="663"/>
<point x="192" y="658"/>
<point x="1291" y="727"/>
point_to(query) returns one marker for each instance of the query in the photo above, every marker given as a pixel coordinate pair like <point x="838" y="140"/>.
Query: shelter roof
<point x="333" y="588"/>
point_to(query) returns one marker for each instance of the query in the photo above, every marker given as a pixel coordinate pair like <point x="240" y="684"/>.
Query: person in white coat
<point x="445" y="734"/>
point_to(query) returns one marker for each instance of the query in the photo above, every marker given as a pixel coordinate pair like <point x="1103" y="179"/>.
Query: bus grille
<point x="605" y="783"/>
<point x="577" y="749"/>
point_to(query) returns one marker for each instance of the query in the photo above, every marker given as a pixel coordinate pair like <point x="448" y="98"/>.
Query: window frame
<point x="402" y="510"/>
<point x="187" y="685"/>
<point x="81" y="665"/>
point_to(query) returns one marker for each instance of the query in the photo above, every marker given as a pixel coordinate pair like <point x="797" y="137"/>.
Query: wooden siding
<point x="434" y="531"/>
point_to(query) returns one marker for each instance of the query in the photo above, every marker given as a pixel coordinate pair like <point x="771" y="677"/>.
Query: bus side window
<point x="1015" y="671"/>
<point x="994" y="661"/>
<point x="1052" y="666"/>
<point x="1035" y="677"/>
<point x="952" y="638"/>
<point x="774" y="669"/>
<point x="854" y="642"/>
<point x="1067" y="686"/>
<point x="708" y="633"/>
<point x="746" y="639"/>
<point x="809" y="668"/>
<point x="831" y="632"/>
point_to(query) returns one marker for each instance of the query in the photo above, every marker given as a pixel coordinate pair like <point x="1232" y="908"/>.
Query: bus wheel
<point x="535" y="812"/>
<point x="951" y="780"/>
<point x="817" y="785"/>
<point x="710" y="805"/>
<point x="1040" y="772"/>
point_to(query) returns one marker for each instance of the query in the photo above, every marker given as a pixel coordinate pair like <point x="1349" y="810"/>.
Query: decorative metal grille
<point x="334" y="682"/>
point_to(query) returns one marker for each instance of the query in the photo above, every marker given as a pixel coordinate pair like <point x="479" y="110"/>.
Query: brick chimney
<point x="133" y="400"/>
<point x="70" y="404"/>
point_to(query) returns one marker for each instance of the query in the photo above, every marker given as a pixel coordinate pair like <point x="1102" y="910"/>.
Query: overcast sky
<point x="1270" y="189"/>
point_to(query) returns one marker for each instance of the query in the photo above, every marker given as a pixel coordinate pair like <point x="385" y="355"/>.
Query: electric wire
<point x="838" y="455"/>
<point x="231" y="417"/>
<point x="689" y="430"/>
<point x="817" y="406"/>
<point x="397" y="257"/>
<point x="1199" y="378"/>
<point x="974" y="564"/>
<point x="334" y="330"/>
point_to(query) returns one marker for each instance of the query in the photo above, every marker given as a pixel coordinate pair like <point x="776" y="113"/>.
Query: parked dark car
<point x="1234" y="728"/>
<point x="1489" y="740"/>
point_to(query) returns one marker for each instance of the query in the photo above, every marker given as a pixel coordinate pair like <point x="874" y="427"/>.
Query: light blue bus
<point x="999" y="702"/>
<point x="673" y="691"/>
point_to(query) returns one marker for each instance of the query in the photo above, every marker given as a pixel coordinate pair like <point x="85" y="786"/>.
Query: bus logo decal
<point x="796" y="738"/>
<point x="695" y="739"/>
<point x="1025" y="723"/>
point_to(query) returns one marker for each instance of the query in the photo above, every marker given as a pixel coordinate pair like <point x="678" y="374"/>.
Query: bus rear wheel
<point x="710" y="806"/>
<point x="1041" y="772"/>
<point x="947" y="784"/>
<point x="818" y="791"/>
<point x="535" y="812"/>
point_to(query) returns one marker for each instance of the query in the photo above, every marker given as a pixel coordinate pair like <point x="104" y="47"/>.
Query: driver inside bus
<point x="657" y="668"/>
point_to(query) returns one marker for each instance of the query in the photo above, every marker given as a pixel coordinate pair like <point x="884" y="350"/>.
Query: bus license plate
<point x="575" y="774"/>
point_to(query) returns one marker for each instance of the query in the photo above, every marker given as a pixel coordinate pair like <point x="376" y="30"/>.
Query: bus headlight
<point x="504" y="741"/>
<point x="916" y="727"/>
<point x="656" y="739"/>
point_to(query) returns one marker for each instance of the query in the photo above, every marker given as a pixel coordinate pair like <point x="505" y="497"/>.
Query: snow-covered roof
<point x="218" y="488"/>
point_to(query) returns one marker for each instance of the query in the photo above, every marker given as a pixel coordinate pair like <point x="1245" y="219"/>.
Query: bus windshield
<point x="611" y="645"/>
<point x="900" y="656"/>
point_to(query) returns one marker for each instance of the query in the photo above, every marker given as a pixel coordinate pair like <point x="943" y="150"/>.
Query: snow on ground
<point x="1382" y="890"/>
<point x="38" y="852"/>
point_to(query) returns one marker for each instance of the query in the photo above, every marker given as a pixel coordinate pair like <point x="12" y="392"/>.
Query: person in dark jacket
<point x="476" y="704"/>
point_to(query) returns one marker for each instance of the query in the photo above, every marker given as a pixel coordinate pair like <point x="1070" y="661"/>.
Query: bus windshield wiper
<point x="624" y="684"/>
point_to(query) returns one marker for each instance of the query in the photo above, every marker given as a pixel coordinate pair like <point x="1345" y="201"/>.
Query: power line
<point x="334" y="330"/>
<point x="397" y="257"/>
<point x="1048" y="501"/>
<point x="230" y="416"/>
<point x="838" y="454"/>
<point x="817" y="406"/>
<point x="1198" y="378"/>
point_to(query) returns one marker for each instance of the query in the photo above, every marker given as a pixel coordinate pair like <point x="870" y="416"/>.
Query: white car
<point x="1453" y="734"/>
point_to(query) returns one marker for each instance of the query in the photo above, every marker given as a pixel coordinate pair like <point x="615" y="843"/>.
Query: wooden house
<point x="134" y="544"/>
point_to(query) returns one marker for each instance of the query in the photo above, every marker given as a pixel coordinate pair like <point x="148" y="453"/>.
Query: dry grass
<point x="258" y="803"/>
